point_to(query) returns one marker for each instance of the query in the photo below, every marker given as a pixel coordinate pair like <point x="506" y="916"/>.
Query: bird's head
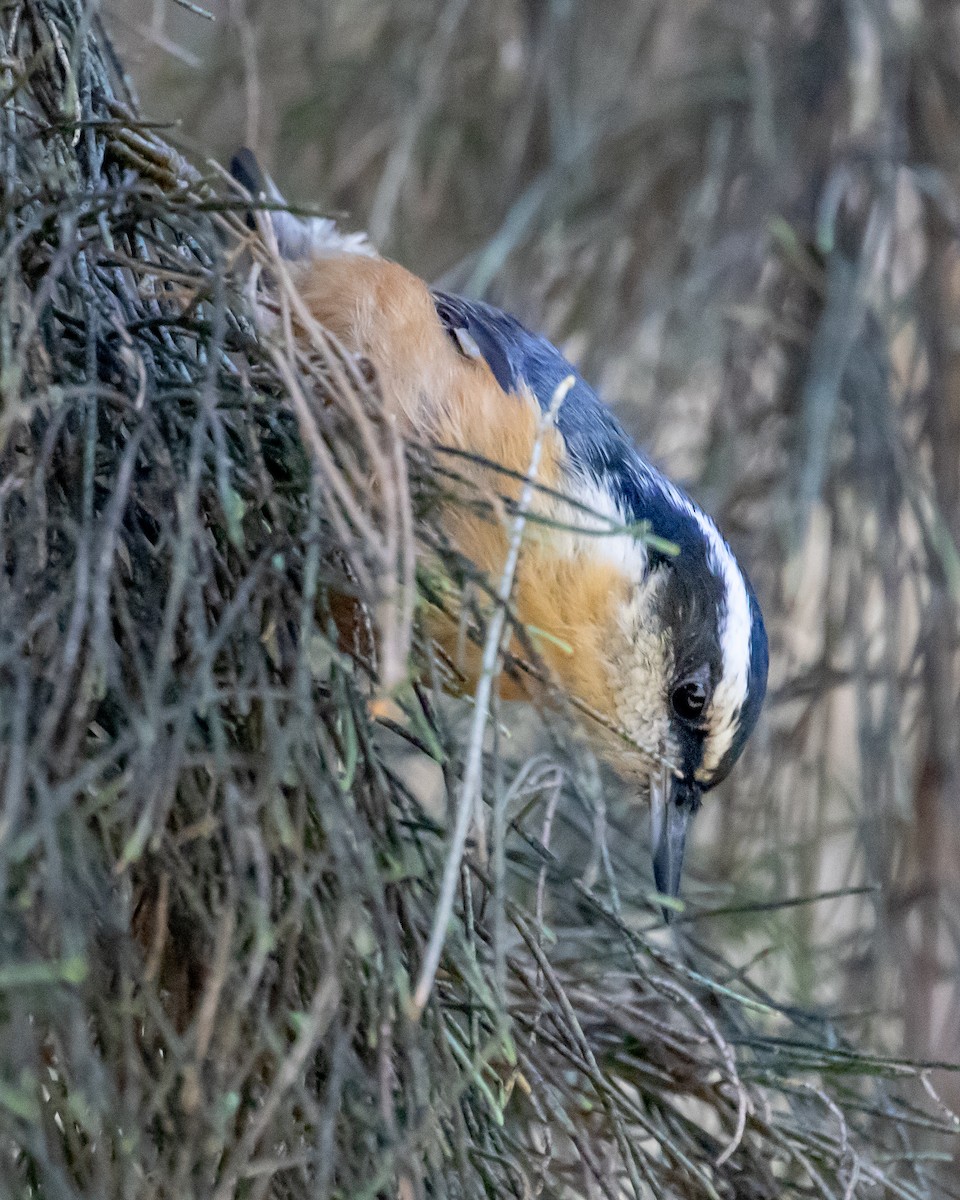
<point x="688" y="669"/>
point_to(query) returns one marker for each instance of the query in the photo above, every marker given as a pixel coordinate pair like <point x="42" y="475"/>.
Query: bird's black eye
<point x="689" y="700"/>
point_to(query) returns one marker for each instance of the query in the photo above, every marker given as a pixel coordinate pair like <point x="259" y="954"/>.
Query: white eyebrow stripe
<point x="734" y="627"/>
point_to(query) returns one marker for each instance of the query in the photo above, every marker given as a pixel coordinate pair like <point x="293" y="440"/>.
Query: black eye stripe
<point x="691" y="696"/>
<point x="689" y="700"/>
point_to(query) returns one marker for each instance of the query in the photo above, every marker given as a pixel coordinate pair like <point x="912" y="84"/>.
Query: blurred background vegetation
<point x="741" y="220"/>
<point x="221" y="861"/>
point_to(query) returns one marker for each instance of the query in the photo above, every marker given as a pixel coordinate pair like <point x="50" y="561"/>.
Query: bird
<point x="643" y="615"/>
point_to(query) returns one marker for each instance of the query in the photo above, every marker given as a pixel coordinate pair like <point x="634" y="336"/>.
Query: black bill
<point x="673" y="804"/>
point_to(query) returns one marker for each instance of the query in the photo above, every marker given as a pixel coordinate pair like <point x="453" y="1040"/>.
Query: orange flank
<point x="566" y="594"/>
<point x="378" y="309"/>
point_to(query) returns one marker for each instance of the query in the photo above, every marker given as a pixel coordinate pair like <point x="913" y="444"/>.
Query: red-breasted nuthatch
<point x="664" y="644"/>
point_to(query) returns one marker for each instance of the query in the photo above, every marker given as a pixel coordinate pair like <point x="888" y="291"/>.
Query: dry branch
<point x="217" y="888"/>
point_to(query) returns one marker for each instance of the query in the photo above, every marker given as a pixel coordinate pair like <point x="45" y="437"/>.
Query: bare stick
<point x="473" y="772"/>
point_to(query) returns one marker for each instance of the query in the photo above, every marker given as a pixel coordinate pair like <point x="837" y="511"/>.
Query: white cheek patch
<point x="643" y="665"/>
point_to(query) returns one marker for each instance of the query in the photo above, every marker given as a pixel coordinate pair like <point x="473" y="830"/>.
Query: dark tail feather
<point x="247" y="172"/>
<point x="250" y="175"/>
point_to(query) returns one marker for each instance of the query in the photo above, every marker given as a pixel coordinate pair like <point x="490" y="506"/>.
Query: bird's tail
<point x="298" y="237"/>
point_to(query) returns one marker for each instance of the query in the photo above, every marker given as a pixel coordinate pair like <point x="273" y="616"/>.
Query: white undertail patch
<point x="297" y="237"/>
<point x="301" y="238"/>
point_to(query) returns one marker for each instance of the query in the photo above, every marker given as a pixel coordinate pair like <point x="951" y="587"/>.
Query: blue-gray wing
<point x="594" y="439"/>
